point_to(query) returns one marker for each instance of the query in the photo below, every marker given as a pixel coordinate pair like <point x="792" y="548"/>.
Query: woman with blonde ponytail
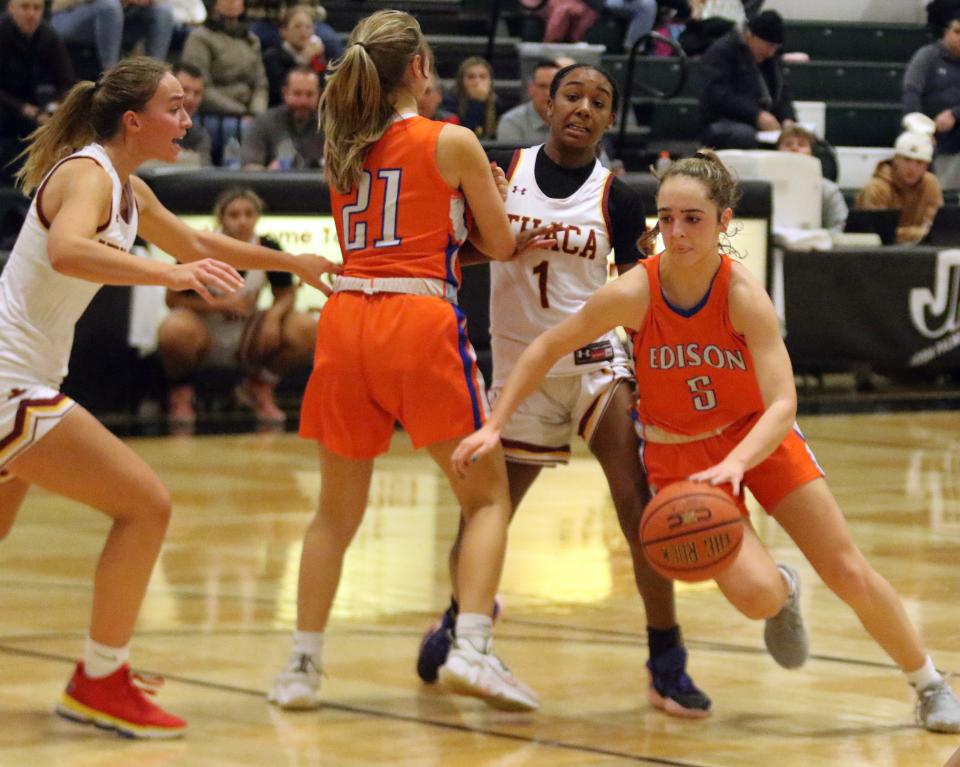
<point x="392" y="343"/>
<point x="717" y="404"/>
<point x="87" y="211"/>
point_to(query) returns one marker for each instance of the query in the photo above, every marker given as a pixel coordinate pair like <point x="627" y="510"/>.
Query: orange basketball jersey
<point x="390" y="224"/>
<point x="694" y="371"/>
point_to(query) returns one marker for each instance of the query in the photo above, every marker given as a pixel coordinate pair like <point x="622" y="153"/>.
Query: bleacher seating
<point x="855" y="41"/>
<point x="856" y="69"/>
<point x="845" y="81"/>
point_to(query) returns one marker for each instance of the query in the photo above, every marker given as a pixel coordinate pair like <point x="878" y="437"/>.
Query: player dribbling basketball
<point x="718" y="404"/>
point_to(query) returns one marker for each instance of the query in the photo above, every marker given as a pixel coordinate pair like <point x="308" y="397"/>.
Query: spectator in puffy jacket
<point x="228" y="54"/>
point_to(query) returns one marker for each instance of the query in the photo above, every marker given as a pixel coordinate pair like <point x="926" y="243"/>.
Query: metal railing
<point x="648" y="89"/>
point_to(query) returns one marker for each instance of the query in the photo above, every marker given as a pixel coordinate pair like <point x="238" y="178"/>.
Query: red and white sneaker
<point x="180" y="405"/>
<point x="118" y="702"/>
<point x="257" y="394"/>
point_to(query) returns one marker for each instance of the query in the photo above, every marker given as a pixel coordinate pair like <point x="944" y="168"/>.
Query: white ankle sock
<point x="309" y="643"/>
<point x="475" y="629"/>
<point x="791" y="587"/>
<point x="100" y="660"/>
<point x="924" y="676"/>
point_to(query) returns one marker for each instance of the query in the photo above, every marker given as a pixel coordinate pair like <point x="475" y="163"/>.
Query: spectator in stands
<point x="35" y="73"/>
<point x="113" y="25"/>
<point x="428" y="103"/>
<point x="744" y="90"/>
<point x="287" y="137"/>
<point x="834" y="207"/>
<point x="266" y="20"/>
<point x="300" y="46"/>
<point x="641" y="16"/>
<point x="187" y="14"/>
<point x="568" y="21"/>
<point x="332" y="44"/>
<point x="230" y="331"/>
<point x="526" y="125"/>
<point x="475" y="100"/>
<point x="195" y="146"/>
<point x="931" y="84"/>
<point x="709" y="20"/>
<point x="228" y="55"/>
<point x="905" y="183"/>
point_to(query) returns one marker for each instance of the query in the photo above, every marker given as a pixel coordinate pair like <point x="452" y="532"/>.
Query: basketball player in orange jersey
<point x="588" y="393"/>
<point x="87" y="211"/>
<point x="392" y="344"/>
<point x="717" y="404"/>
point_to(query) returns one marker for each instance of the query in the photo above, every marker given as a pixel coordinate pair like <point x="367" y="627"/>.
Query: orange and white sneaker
<point x="118" y="702"/>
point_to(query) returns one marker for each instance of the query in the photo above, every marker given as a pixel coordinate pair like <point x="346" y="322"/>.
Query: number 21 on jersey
<point x="354" y="222"/>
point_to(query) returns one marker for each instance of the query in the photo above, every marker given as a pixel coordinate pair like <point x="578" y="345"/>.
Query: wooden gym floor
<point x="222" y="602"/>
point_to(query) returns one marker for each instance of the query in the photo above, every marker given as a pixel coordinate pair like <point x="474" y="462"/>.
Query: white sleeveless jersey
<point x="538" y="290"/>
<point x="39" y="307"/>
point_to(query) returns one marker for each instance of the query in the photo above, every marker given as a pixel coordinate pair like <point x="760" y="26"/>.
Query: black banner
<point x="896" y="308"/>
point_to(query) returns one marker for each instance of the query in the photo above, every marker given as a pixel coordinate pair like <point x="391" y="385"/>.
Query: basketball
<point x="691" y="531"/>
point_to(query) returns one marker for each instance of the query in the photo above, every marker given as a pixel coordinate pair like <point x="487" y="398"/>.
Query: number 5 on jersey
<point x="704" y="398"/>
<point x="353" y="221"/>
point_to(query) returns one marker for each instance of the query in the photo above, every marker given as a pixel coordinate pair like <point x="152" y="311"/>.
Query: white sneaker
<point x="297" y="688"/>
<point x="938" y="709"/>
<point x="483" y="675"/>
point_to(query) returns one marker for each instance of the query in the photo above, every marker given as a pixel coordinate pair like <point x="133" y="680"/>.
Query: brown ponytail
<point x="355" y="107"/>
<point x="90" y="112"/>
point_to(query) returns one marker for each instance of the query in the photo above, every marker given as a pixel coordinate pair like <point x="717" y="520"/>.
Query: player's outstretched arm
<point x="161" y="227"/>
<point x="77" y="197"/>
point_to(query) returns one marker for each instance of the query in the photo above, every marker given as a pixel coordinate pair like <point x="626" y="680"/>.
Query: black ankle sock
<point x="661" y="640"/>
<point x="454" y="609"/>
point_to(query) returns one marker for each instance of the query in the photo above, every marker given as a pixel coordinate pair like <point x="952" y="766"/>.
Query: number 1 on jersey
<point x="541" y="271"/>
<point x="355" y="232"/>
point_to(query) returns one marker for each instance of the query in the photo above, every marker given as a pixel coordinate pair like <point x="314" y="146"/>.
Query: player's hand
<point x="208" y="277"/>
<point x="473" y="447"/>
<point x="500" y="179"/>
<point x="728" y="472"/>
<point x="766" y="121"/>
<point x="945" y="121"/>
<point x="538" y="238"/>
<point x="311" y="268"/>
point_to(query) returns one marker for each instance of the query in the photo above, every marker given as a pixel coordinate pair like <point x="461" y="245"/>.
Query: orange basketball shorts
<point x="390" y="358"/>
<point x="788" y="467"/>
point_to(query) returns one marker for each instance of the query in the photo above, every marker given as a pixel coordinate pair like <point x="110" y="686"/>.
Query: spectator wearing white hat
<point x="905" y="183"/>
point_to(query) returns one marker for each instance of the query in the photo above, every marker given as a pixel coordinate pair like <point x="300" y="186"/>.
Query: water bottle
<point x="231" y="154"/>
<point x="286" y="154"/>
<point x="663" y="162"/>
